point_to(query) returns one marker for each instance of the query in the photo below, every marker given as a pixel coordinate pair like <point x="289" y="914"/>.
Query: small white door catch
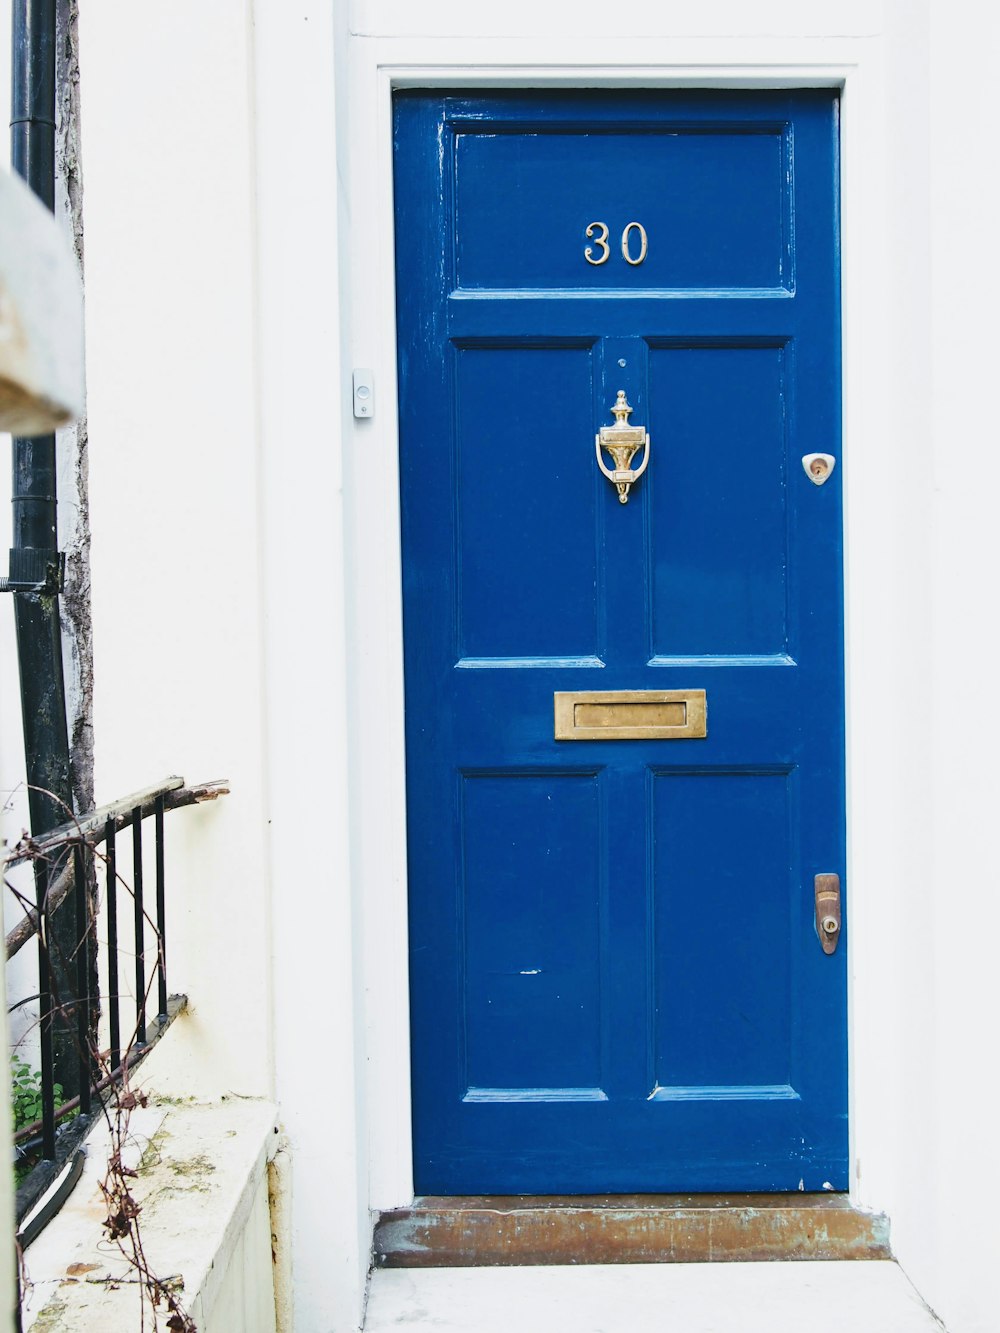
<point x="364" y="393"/>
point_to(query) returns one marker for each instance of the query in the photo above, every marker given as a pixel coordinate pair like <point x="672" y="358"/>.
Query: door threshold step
<point x="689" y="1298"/>
<point x="508" y="1230"/>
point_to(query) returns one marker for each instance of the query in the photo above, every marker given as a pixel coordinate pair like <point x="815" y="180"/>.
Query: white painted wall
<point x="952" y="1246"/>
<point x="245" y="567"/>
<point x="305" y="441"/>
<point x="211" y="212"/>
<point x="168" y="213"/>
<point x="918" y="540"/>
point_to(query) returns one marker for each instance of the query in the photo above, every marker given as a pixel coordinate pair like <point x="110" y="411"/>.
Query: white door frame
<point x="375" y="66"/>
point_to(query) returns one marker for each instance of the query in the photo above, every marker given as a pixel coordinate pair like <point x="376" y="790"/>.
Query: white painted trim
<point x="306" y="592"/>
<point x="371" y="478"/>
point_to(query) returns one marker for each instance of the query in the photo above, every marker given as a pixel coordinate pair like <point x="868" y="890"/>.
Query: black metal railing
<point x="104" y="1033"/>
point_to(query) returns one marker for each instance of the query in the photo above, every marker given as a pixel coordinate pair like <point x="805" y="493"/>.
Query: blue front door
<point x="617" y="983"/>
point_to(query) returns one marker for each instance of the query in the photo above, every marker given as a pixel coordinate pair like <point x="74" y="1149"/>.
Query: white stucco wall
<point x="245" y="561"/>
<point x="211" y="230"/>
<point x="948" y="1229"/>
<point x="303" y="218"/>
<point x="168" y="213"/>
<point x="918" y="550"/>
<point x="201" y="392"/>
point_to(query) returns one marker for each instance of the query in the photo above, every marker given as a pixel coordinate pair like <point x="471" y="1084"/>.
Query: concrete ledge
<point x="680" y="1298"/>
<point x="202" y="1185"/>
<point x="650" y="1228"/>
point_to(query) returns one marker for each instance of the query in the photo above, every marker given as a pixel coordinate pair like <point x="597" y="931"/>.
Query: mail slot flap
<point x="629" y="715"/>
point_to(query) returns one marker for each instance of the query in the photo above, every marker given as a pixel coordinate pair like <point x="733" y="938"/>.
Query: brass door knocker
<point x="622" y="442"/>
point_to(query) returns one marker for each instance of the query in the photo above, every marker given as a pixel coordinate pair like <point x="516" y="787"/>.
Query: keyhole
<point x="818" y="467"/>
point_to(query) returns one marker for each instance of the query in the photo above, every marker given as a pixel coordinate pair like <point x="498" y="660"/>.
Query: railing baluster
<point x="111" y="882"/>
<point x="82" y="975"/>
<point x="140" y="962"/>
<point x="71" y="996"/>
<point x="161" y="914"/>
<point x="71" y="1050"/>
<point x="46" y="1055"/>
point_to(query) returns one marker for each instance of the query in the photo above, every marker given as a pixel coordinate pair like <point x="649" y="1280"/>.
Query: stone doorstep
<point x="808" y="1297"/>
<point x="505" y="1230"/>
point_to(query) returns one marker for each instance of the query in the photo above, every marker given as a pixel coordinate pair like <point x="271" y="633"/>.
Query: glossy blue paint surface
<point x="616" y="984"/>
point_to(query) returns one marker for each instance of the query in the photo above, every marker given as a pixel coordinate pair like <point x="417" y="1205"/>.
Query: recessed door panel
<point x="713" y="215"/>
<point x="537" y="594"/>
<point x="723" y="909"/>
<point x="718" y="505"/>
<point x="624" y="684"/>
<point x="531" y="905"/>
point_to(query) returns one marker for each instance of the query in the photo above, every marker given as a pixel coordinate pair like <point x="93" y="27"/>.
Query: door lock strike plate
<point x="827" y="889"/>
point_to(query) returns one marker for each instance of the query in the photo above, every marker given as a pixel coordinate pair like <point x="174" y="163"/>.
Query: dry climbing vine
<point x="122" y="1223"/>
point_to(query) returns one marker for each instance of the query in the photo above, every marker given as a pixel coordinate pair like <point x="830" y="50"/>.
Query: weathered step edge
<point x="503" y="1230"/>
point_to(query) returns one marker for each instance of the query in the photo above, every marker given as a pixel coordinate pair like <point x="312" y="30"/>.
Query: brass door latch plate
<point x="827" y="888"/>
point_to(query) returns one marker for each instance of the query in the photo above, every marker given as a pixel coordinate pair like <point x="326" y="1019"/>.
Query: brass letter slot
<point x="630" y="715"/>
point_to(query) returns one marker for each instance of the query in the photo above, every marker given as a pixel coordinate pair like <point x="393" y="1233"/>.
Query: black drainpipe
<point x="35" y="562"/>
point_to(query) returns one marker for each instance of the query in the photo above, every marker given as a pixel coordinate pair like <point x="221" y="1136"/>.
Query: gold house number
<point x="598" y="232"/>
